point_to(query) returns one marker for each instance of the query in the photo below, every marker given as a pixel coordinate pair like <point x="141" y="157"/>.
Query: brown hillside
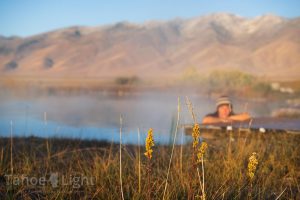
<point x="267" y="46"/>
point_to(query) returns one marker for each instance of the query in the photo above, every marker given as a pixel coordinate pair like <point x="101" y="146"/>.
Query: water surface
<point x="97" y="115"/>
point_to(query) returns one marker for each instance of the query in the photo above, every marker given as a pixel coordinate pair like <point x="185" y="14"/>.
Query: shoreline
<point x="124" y="86"/>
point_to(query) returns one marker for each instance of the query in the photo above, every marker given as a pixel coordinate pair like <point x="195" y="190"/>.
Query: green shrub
<point x="11" y="65"/>
<point x="127" y="80"/>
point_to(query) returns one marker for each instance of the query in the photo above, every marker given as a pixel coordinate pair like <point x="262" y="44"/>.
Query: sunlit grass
<point x="226" y="177"/>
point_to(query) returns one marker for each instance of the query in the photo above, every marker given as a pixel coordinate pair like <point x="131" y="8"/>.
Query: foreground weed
<point x="198" y="153"/>
<point x="252" y="165"/>
<point x="148" y="145"/>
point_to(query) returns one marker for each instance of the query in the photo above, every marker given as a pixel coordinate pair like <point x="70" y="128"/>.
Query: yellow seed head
<point x="201" y="151"/>
<point x="149" y="144"/>
<point x="252" y="164"/>
<point x="196" y="135"/>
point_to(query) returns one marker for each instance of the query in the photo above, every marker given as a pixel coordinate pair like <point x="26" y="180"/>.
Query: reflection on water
<point x="97" y="116"/>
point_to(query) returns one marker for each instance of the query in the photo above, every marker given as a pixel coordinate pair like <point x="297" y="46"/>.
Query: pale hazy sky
<point x="29" y="17"/>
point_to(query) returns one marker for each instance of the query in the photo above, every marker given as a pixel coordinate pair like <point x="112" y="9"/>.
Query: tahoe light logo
<point x="53" y="179"/>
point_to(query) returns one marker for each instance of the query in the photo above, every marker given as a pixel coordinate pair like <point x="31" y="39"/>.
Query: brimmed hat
<point x="223" y="100"/>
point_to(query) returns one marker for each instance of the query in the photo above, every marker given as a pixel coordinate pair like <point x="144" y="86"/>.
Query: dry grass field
<point x="37" y="168"/>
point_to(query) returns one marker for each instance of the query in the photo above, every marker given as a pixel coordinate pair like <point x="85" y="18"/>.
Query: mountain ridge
<point x="266" y="46"/>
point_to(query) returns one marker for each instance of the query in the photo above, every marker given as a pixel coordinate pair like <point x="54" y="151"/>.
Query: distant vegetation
<point x="27" y="44"/>
<point x="233" y="82"/>
<point x="218" y="80"/>
<point x="48" y="62"/>
<point x="237" y="82"/>
<point x="11" y="65"/>
<point x="226" y="81"/>
<point x="127" y="80"/>
<point x="77" y="33"/>
<point x="5" y="50"/>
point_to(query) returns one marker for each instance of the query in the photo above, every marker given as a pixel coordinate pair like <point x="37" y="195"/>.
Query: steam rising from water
<point x="97" y="115"/>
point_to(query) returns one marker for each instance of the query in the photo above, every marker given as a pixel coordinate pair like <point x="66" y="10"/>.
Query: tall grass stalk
<point x="174" y="140"/>
<point x="191" y="109"/>
<point x="1" y="158"/>
<point x="229" y="149"/>
<point x="47" y="140"/>
<point x="195" y="136"/>
<point x="247" y="135"/>
<point x="250" y="123"/>
<point x="281" y="194"/>
<point x="240" y="125"/>
<point x="11" y="148"/>
<point x="139" y="160"/>
<point x="45" y="118"/>
<point x="200" y="182"/>
<point x="181" y="153"/>
<point x="203" y="182"/>
<point x="121" y="184"/>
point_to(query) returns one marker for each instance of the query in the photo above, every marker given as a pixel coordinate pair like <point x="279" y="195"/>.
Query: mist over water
<point x="97" y="115"/>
